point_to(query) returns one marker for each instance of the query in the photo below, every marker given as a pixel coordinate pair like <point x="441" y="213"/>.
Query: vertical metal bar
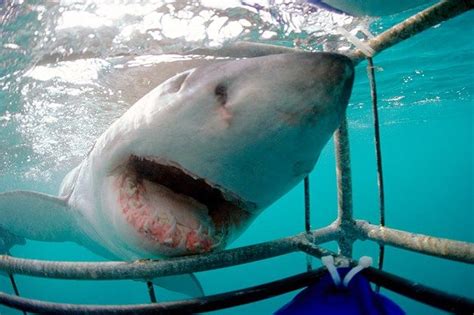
<point x="307" y="218"/>
<point x="309" y="262"/>
<point x="344" y="188"/>
<point x="151" y="291"/>
<point x="307" y="206"/>
<point x="378" y="156"/>
<point x="14" y="286"/>
<point x="15" y="289"/>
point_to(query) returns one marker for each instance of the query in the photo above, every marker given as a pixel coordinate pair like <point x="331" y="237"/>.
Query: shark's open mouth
<point x="178" y="212"/>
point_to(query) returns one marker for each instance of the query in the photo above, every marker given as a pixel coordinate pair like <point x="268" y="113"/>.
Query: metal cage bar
<point x="149" y="269"/>
<point x="440" y="12"/>
<point x="344" y="188"/>
<point x="392" y="282"/>
<point x="425" y="244"/>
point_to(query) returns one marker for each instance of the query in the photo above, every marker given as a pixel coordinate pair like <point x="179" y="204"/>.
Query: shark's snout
<point x="298" y="90"/>
<point x="323" y="81"/>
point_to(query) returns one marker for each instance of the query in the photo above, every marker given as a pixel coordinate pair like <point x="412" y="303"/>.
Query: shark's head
<point x="195" y="160"/>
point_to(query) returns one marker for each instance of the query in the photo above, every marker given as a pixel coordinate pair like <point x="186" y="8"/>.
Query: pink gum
<point x="147" y="225"/>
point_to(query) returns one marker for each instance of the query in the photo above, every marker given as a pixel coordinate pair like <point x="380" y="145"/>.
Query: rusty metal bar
<point x="445" y="248"/>
<point x="343" y="174"/>
<point x="434" y="246"/>
<point x="150" y="269"/>
<point x="440" y="12"/>
<point x="344" y="188"/>
<point x="449" y="249"/>
<point x="397" y="284"/>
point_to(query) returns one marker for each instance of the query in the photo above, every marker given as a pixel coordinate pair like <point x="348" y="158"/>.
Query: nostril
<point x="221" y="94"/>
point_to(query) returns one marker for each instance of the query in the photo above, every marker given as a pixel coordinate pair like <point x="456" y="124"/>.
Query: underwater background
<point x="55" y="99"/>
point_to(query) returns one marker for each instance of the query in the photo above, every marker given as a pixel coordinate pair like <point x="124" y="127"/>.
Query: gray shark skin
<point x="192" y="163"/>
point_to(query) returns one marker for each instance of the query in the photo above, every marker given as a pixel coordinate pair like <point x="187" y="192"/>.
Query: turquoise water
<point x="426" y="94"/>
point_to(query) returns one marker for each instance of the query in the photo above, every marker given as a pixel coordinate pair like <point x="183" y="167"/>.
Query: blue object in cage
<point x="331" y="295"/>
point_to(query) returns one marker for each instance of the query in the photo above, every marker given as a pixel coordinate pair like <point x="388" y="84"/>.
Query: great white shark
<point x="189" y="166"/>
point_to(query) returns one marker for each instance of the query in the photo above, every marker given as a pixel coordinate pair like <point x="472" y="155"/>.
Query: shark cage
<point x="345" y="230"/>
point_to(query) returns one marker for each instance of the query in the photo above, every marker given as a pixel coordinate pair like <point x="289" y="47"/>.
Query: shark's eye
<point x="221" y="94"/>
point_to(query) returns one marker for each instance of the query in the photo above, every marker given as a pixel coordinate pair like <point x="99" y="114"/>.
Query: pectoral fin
<point x="186" y="284"/>
<point x="36" y="216"/>
<point x="8" y="240"/>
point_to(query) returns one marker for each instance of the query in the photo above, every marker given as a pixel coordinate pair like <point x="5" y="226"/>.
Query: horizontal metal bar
<point x="302" y="242"/>
<point x="416" y="291"/>
<point x="149" y="269"/>
<point x="430" y="296"/>
<point x="434" y="246"/>
<point x="205" y="304"/>
<point x="397" y="284"/>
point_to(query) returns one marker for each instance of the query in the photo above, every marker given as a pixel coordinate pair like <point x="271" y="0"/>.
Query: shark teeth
<point x="130" y="187"/>
<point x="172" y="211"/>
<point x="159" y="226"/>
<point x="171" y="230"/>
